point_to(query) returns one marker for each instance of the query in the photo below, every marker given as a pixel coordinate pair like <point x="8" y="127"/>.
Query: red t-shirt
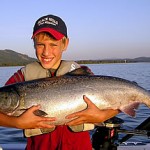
<point x="59" y="139"/>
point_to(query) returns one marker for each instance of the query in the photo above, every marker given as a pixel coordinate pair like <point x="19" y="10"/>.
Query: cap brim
<point x="57" y="35"/>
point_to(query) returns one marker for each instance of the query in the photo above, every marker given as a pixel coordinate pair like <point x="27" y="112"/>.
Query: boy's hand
<point x="28" y="120"/>
<point x="91" y="115"/>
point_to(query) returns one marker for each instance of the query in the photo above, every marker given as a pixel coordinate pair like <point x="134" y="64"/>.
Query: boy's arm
<point x="92" y="114"/>
<point x="17" y="77"/>
<point x="27" y="120"/>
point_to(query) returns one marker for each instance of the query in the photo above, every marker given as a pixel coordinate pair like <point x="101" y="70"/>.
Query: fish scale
<point x="61" y="96"/>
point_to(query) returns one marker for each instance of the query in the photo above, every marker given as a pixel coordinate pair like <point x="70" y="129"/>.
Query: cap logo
<point x="47" y="20"/>
<point x="51" y="24"/>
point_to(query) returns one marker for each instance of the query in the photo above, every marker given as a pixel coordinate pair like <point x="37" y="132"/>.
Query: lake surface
<point x="138" y="72"/>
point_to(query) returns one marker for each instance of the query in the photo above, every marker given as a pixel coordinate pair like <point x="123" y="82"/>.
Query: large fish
<point x="60" y="96"/>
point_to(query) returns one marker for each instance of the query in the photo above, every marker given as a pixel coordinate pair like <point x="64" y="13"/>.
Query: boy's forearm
<point x="7" y="121"/>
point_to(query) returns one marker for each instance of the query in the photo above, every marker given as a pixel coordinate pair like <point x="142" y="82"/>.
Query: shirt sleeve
<point x="17" y="77"/>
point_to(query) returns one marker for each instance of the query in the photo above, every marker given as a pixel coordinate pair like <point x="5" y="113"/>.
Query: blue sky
<point x="97" y="29"/>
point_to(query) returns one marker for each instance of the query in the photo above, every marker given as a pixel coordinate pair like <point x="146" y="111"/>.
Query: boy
<point x="50" y="41"/>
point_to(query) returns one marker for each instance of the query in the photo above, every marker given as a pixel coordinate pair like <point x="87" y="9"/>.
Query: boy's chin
<point x="47" y="66"/>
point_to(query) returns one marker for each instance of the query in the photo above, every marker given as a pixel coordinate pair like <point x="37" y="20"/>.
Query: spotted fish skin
<point x="61" y="96"/>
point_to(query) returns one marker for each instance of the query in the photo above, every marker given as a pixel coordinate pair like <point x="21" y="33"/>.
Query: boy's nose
<point x="46" y="51"/>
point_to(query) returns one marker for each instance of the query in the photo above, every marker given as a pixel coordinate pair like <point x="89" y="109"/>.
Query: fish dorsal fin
<point x="80" y="71"/>
<point x="130" y="109"/>
<point x="134" y="82"/>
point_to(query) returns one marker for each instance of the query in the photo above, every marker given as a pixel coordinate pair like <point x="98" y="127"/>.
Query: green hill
<point x="12" y="58"/>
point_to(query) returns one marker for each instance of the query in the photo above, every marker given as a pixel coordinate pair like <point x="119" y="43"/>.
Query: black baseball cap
<point x="51" y="24"/>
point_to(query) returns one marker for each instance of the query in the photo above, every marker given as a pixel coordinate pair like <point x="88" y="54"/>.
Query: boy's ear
<point x="65" y="44"/>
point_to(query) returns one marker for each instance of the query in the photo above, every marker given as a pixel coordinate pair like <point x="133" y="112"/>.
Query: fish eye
<point x="3" y="96"/>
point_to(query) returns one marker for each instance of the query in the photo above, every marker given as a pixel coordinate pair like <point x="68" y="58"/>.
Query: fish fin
<point x="40" y="113"/>
<point x="130" y="109"/>
<point x="36" y="112"/>
<point x="82" y="127"/>
<point x="80" y="71"/>
<point x="134" y="82"/>
<point x="34" y="132"/>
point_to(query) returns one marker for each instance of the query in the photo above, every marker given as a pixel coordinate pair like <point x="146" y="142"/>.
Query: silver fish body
<point x="60" y="96"/>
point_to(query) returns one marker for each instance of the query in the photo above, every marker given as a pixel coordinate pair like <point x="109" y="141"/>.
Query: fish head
<point x="9" y="100"/>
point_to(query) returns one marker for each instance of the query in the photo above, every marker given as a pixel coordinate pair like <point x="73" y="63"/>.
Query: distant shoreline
<point x="12" y="58"/>
<point x="108" y="61"/>
<point x="86" y="62"/>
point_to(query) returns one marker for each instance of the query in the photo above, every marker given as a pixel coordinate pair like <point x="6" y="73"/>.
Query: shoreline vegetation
<point x="12" y="58"/>
<point x="109" y="61"/>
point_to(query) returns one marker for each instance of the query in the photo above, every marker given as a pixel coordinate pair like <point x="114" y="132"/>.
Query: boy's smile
<point x="48" y="51"/>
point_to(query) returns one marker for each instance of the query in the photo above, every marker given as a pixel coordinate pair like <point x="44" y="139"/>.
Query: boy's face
<point x="49" y="51"/>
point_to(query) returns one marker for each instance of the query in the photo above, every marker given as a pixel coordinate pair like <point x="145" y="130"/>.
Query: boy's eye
<point x="40" y="45"/>
<point x="52" y="44"/>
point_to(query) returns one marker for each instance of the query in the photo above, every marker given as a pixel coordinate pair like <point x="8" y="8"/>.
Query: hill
<point x="125" y="60"/>
<point x="12" y="58"/>
<point x="142" y="59"/>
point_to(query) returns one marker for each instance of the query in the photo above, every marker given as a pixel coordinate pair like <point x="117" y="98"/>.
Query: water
<point x="138" y="72"/>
